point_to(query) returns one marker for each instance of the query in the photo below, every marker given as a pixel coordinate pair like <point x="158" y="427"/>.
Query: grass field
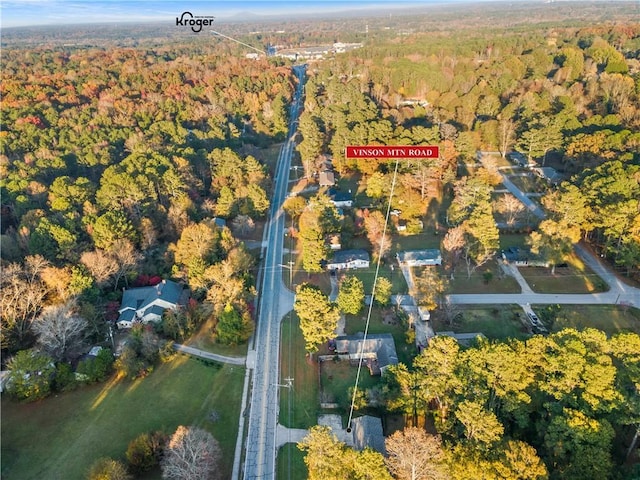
<point x="60" y="437"/>
<point x="486" y="279"/>
<point x="499" y="322"/>
<point x="203" y="341"/>
<point x="576" y="277"/>
<point x="337" y="378"/>
<point x="398" y="283"/>
<point x="298" y="406"/>
<point x="291" y="464"/>
<point x="611" y="319"/>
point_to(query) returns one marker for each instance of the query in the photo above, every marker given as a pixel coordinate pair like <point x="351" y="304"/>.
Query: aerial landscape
<point x="360" y="240"/>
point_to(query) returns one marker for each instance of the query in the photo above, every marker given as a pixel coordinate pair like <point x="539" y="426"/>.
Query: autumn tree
<point x="412" y="454"/>
<point x="382" y="291"/>
<point x="374" y="224"/>
<point x="329" y="459"/>
<point x="30" y="375"/>
<point x="350" y="295"/>
<point x="145" y="451"/>
<point x="318" y="316"/>
<point x="191" y="454"/>
<point x="108" y="469"/>
<point x="429" y="287"/>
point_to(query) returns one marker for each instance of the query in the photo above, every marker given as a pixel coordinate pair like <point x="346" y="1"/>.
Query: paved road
<point x="209" y="356"/>
<point x="275" y="302"/>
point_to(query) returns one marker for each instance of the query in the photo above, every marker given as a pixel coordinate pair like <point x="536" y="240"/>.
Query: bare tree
<point x="22" y="295"/>
<point x="453" y="243"/>
<point x="510" y="207"/>
<point x="126" y="258"/>
<point x="191" y="454"/>
<point x="506" y="135"/>
<point x="415" y="455"/>
<point x="60" y="330"/>
<point x="101" y="265"/>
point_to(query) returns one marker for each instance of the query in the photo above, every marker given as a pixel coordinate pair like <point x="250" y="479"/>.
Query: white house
<point x="349" y="259"/>
<point x="146" y="304"/>
<point x="419" y="258"/>
<point x="342" y="199"/>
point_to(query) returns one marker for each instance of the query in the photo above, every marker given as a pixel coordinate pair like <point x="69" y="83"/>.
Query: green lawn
<point x="203" y="341"/>
<point x="338" y="377"/>
<point x="499" y="322"/>
<point x="512" y="240"/>
<point x="530" y="183"/>
<point x="479" y="283"/>
<point x="398" y="283"/>
<point x="576" y="277"/>
<point x="611" y="319"/>
<point x="426" y="239"/>
<point x="298" y="406"/>
<point x="60" y="437"/>
<point x="291" y="464"/>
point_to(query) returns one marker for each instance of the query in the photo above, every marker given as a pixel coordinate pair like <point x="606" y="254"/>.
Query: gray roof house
<point x="419" y="258"/>
<point x="367" y="432"/>
<point x="378" y="351"/>
<point x="146" y="304"/>
<point x="326" y="179"/>
<point x="349" y="259"/>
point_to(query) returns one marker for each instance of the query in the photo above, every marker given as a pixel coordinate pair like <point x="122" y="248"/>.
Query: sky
<point x="15" y="13"/>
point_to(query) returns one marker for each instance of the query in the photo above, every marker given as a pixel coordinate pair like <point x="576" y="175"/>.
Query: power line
<point x="237" y="41"/>
<point x="373" y="293"/>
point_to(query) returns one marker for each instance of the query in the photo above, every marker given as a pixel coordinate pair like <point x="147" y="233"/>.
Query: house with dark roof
<point x="345" y="259"/>
<point x="419" y="258"/>
<point x="378" y="351"/>
<point x="523" y="257"/>
<point x="341" y="199"/>
<point x="147" y="304"/>
<point x="367" y="433"/>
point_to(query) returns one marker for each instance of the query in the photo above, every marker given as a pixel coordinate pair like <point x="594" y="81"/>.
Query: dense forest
<point x="146" y="158"/>
<point x="116" y="163"/>
<point x="563" y="96"/>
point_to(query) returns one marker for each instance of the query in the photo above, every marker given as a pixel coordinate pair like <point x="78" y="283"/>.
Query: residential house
<point x="550" y="174"/>
<point x="378" y="351"/>
<point x="523" y="257"/>
<point x="367" y="432"/>
<point x="326" y="179"/>
<point x="349" y="259"/>
<point x="341" y="199"/>
<point x="146" y="304"/>
<point x="419" y="258"/>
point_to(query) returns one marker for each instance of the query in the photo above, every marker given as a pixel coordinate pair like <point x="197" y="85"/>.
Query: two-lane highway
<point x="275" y="300"/>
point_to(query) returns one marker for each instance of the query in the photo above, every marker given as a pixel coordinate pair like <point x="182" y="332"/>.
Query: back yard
<point x="60" y="437"/>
